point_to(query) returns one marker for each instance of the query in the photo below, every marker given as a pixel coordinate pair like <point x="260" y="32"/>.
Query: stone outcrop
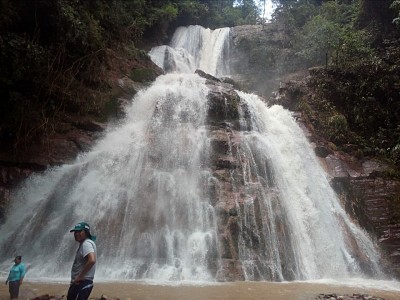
<point x="368" y="195"/>
<point x="48" y="297"/>
<point x="347" y="297"/>
<point x="260" y="56"/>
<point x="362" y="185"/>
<point x="368" y="192"/>
<point x="58" y="148"/>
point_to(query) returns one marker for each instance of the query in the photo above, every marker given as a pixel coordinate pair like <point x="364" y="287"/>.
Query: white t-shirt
<point x="88" y="246"/>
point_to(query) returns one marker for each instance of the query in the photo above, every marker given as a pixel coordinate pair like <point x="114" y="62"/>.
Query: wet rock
<point x="322" y="151"/>
<point x="370" y="198"/>
<point x="90" y="125"/>
<point x="5" y="196"/>
<point x="223" y="105"/>
<point x="230" y="270"/>
<point x="206" y="76"/>
<point x="62" y="146"/>
<point x="129" y="86"/>
<point x="347" y="297"/>
<point x="42" y="297"/>
<point x="48" y="297"/>
<point x="104" y="297"/>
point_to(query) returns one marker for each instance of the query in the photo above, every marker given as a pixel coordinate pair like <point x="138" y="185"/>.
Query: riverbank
<point x="225" y="291"/>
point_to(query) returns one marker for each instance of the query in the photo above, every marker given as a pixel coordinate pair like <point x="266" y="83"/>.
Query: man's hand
<point x="78" y="279"/>
<point x="91" y="260"/>
<point x="6" y="281"/>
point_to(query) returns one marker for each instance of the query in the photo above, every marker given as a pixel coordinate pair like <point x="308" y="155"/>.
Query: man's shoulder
<point x="88" y="243"/>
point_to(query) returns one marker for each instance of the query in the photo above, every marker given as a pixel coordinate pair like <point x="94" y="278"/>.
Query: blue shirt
<point x="17" y="272"/>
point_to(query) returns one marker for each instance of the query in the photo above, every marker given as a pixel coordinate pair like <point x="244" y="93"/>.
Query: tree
<point x="396" y="8"/>
<point x="319" y="39"/>
<point x="378" y="17"/>
<point x="329" y="37"/>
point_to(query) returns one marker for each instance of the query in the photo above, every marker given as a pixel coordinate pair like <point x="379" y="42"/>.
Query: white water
<point x="323" y="240"/>
<point x="142" y="190"/>
<point x="139" y="189"/>
<point x="195" y="48"/>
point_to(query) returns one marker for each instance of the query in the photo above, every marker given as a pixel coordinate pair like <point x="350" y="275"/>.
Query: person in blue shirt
<point x="16" y="277"/>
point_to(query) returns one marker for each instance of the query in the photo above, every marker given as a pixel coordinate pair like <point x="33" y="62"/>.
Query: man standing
<point x="84" y="266"/>
<point x="16" y="277"/>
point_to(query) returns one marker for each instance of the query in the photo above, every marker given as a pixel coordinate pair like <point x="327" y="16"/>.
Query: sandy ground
<point x="231" y="291"/>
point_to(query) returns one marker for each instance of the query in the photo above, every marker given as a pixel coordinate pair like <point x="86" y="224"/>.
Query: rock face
<point x="362" y="185"/>
<point x="259" y="57"/>
<point x="240" y="213"/>
<point x="369" y="196"/>
<point x="57" y="149"/>
<point x="223" y="126"/>
<point x="368" y="192"/>
<point x="247" y="73"/>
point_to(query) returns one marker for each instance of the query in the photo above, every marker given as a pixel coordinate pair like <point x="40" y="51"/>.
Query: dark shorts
<point x="80" y="291"/>
<point x="13" y="288"/>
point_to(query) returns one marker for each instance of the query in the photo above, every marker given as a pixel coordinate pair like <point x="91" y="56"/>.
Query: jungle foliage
<point x="56" y="56"/>
<point x="355" y="101"/>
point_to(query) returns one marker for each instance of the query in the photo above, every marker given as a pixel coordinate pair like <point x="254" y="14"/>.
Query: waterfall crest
<point x="145" y="189"/>
<point x="195" y="47"/>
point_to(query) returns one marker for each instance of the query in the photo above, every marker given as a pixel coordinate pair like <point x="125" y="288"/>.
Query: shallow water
<point x="232" y="291"/>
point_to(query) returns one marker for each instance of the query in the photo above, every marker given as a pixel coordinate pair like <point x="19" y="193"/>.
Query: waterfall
<point x="194" y="48"/>
<point x="307" y="233"/>
<point x="146" y="190"/>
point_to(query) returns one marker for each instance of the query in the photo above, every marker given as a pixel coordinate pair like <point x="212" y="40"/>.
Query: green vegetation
<point x="57" y="57"/>
<point x="355" y="92"/>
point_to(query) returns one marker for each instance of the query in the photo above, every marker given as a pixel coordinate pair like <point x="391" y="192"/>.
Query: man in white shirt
<point x="84" y="266"/>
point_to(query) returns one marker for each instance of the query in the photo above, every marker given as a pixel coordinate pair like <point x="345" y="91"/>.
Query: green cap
<point x="83" y="226"/>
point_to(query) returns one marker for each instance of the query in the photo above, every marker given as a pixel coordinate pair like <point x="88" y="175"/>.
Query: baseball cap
<point x="83" y="226"/>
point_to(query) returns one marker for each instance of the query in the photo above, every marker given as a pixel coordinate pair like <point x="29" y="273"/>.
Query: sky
<point x="268" y="9"/>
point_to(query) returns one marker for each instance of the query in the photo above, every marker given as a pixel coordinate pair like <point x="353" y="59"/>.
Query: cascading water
<point x="304" y="232"/>
<point x="195" y="48"/>
<point x="146" y="190"/>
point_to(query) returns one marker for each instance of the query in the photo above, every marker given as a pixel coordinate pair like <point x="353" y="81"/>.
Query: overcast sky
<point x="268" y="9"/>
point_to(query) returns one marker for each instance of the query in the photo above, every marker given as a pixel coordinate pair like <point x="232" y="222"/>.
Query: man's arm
<point x="91" y="260"/>
<point x="23" y="271"/>
<point x="7" y="278"/>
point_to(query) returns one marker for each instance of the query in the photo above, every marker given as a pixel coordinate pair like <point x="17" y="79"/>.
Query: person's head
<point x="82" y="232"/>
<point x="18" y="259"/>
